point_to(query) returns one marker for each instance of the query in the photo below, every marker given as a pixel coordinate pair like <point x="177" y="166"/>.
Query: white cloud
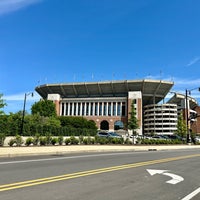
<point x="187" y="83"/>
<point x="20" y="97"/>
<point x="15" y="102"/>
<point x="193" y="61"/>
<point x="7" y="6"/>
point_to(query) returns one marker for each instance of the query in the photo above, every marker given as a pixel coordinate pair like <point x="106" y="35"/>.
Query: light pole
<point x="188" y="138"/>
<point x="187" y="112"/>
<point x="23" y="112"/>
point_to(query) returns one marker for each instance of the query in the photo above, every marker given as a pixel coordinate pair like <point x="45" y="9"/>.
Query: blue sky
<point x="60" y="41"/>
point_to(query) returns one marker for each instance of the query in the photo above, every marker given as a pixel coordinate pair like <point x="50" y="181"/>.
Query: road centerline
<point x="46" y="180"/>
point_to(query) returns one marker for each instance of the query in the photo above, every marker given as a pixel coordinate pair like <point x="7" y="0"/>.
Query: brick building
<point x="188" y="109"/>
<point x="108" y="103"/>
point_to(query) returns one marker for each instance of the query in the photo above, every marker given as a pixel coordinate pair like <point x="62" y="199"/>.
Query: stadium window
<point x="79" y="109"/>
<point x="70" y="109"/>
<point x="96" y="109"/>
<point x="114" y="108"/>
<point x="91" y="109"/>
<point x="62" y="113"/>
<point x="105" y="109"/>
<point x="118" y="108"/>
<point x="83" y="108"/>
<point x="123" y="109"/>
<point x="100" y="109"/>
<point x="66" y="109"/>
<point x="87" y="108"/>
<point x="74" y="108"/>
<point x="109" y="108"/>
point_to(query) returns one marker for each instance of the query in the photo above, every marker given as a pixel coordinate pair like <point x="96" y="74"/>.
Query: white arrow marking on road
<point x="175" y="178"/>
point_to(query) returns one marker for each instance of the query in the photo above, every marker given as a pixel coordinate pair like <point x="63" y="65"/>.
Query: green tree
<point x="181" y="127"/>
<point x="44" y="108"/>
<point x="13" y="123"/>
<point x="4" y="128"/>
<point x="2" y="104"/>
<point x="133" y="121"/>
<point x="77" y="122"/>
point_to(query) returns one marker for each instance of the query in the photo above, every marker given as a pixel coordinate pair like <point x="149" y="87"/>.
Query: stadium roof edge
<point x="152" y="90"/>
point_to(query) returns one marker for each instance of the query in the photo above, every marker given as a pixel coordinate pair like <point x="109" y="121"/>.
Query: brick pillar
<point x="56" y="99"/>
<point x="137" y="98"/>
<point x="57" y="104"/>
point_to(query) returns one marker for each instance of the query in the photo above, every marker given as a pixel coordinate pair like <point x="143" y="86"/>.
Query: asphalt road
<point x="99" y="176"/>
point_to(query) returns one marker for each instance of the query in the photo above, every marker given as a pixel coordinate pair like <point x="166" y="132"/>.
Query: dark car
<point x="174" y="137"/>
<point x="114" y="135"/>
<point x="102" y="134"/>
<point x="159" y="137"/>
<point x="109" y="134"/>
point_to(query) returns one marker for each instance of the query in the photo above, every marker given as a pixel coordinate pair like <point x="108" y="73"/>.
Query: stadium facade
<point x="108" y="103"/>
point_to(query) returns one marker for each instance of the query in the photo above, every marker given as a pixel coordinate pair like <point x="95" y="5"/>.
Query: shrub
<point x="101" y="140"/>
<point x="60" y="140"/>
<point x="67" y="141"/>
<point x="18" y="140"/>
<point x="48" y="138"/>
<point x="54" y="141"/>
<point x="29" y="141"/>
<point x="43" y="141"/>
<point x="11" y="142"/>
<point x="74" y="140"/>
<point x="36" y="139"/>
<point x="117" y="140"/>
<point x="81" y="138"/>
<point x="88" y="140"/>
<point x="85" y="141"/>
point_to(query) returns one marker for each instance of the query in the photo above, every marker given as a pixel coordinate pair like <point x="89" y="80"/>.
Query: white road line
<point x="64" y="158"/>
<point x="191" y="195"/>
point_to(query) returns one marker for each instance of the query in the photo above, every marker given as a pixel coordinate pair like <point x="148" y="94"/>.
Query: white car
<point x="197" y="139"/>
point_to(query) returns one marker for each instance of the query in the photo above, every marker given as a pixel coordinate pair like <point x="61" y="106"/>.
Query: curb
<point x="60" y="150"/>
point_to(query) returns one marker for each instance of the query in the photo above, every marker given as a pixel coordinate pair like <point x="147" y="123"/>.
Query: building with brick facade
<point x="188" y="109"/>
<point x="107" y="103"/>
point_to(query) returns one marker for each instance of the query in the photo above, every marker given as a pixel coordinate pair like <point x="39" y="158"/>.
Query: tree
<point x="181" y="126"/>
<point x="133" y="121"/>
<point x="77" y="122"/>
<point x="44" y="108"/>
<point x="2" y="104"/>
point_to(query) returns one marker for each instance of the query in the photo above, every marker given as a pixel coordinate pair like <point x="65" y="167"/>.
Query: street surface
<point x="152" y="175"/>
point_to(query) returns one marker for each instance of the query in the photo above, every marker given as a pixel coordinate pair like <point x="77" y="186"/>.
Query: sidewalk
<point x="59" y="150"/>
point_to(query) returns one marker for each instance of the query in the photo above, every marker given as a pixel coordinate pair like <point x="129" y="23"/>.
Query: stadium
<point x="108" y="103"/>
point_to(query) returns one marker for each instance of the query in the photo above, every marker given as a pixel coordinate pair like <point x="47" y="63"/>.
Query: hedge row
<point x="38" y="140"/>
<point x="11" y="125"/>
<point x="72" y="140"/>
<point x="56" y="131"/>
<point x="157" y="142"/>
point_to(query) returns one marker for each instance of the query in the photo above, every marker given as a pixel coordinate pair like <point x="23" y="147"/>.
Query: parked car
<point x="197" y="139"/>
<point x="174" y="137"/>
<point x="114" y="135"/>
<point x="102" y="134"/>
<point x="109" y="135"/>
<point x="159" y="137"/>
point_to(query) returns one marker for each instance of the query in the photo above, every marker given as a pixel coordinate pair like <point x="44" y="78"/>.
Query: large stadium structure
<point x="107" y="103"/>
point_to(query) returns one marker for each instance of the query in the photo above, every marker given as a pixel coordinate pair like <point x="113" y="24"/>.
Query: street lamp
<point x="187" y="107"/>
<point x="23" y="113"/>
